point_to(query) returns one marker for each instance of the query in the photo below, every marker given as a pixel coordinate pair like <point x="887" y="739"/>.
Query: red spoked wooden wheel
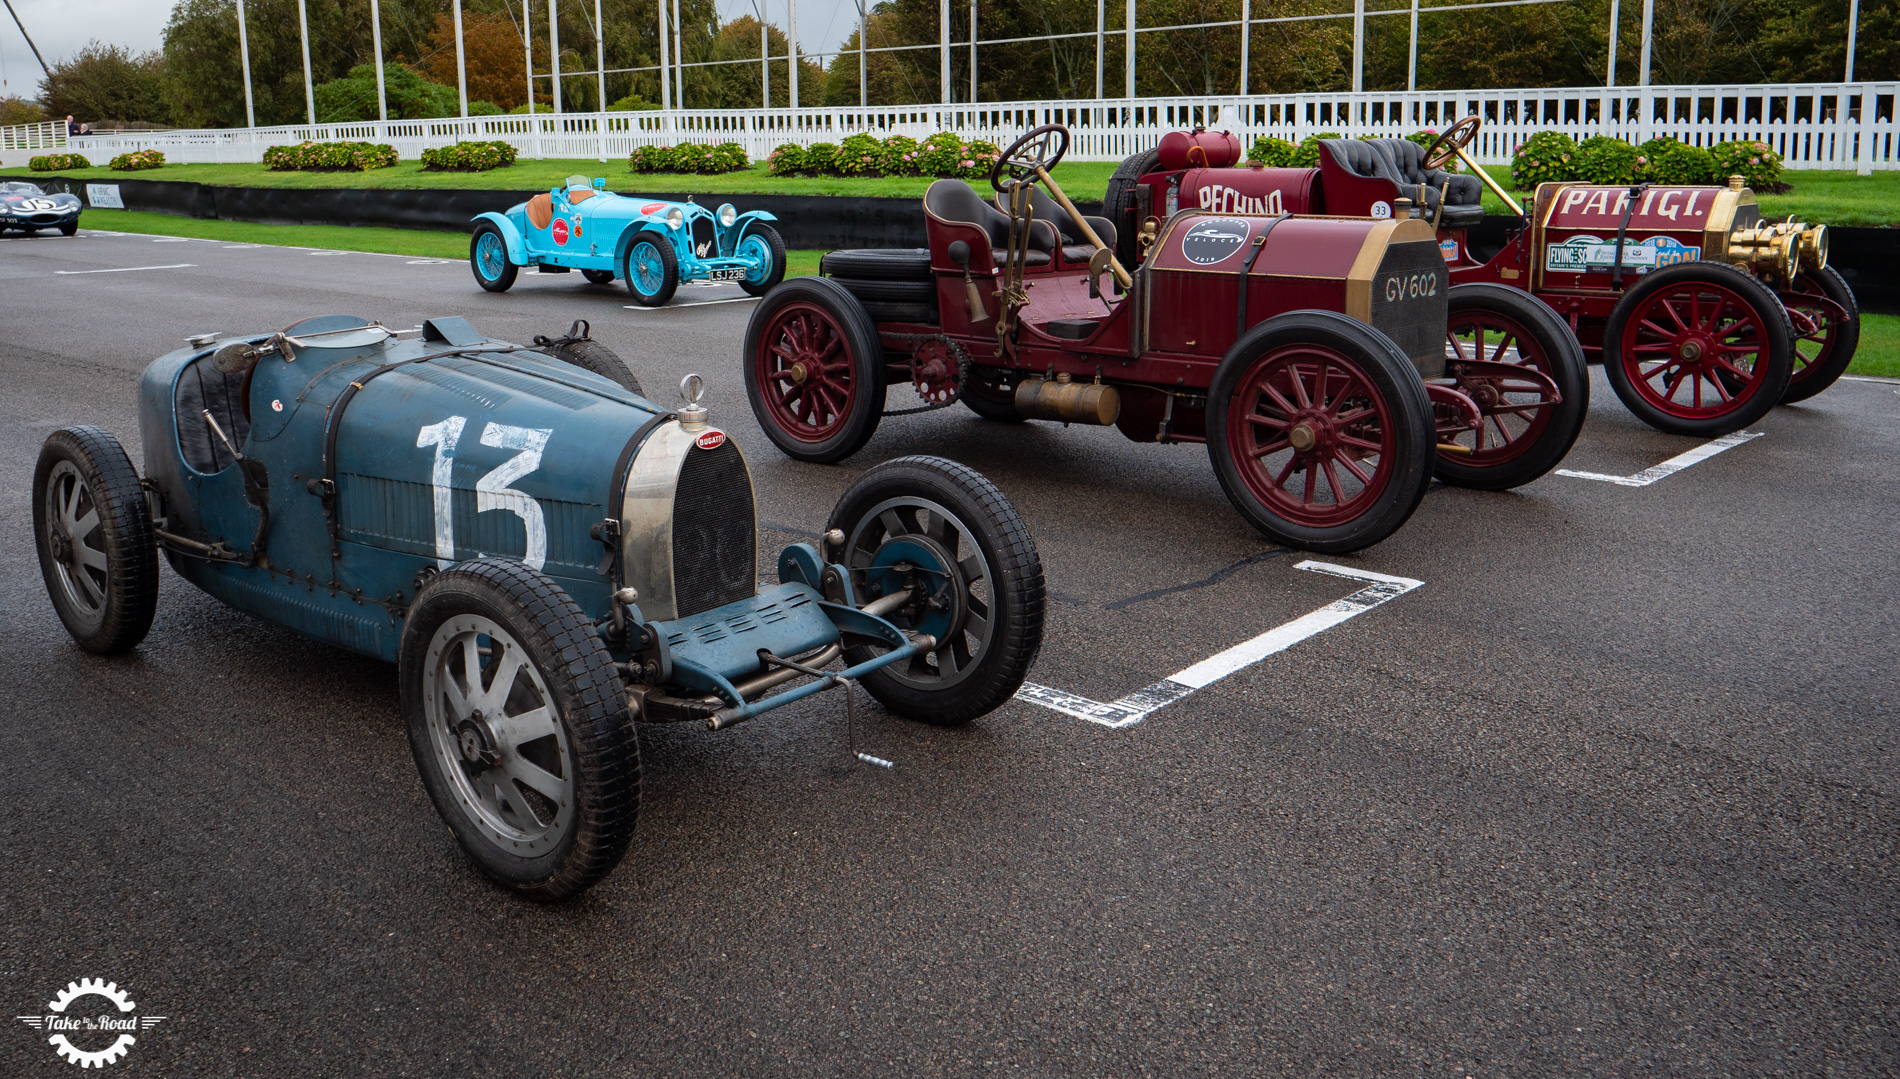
<point x="1699" y="349"/>
<point x="805" y="372"/>
<point x="1516" y="361"/>
<point x="1320" y="431"/>
<point x="1826" y="330"/>
<point x="1314" y="441"/>
<point x="1516" y="406"/>
<point x="814" y="370"/>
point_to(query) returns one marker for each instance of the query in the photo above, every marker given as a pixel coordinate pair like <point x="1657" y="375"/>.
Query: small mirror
<point x="235" y="358"/>
<point x="600" y="183"/>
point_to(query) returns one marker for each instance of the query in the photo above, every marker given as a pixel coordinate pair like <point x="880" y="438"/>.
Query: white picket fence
<point x="47" y="136"/>
<point x="1806" y="123"/>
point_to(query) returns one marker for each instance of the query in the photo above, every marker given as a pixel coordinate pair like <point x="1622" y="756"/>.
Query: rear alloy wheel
<point x="1826" y="322"/>
<point x="1524" y="433"/>
<point x="519" y="725"/>
<point x="945" y="534"/>
<point x="1320" y="432"/>
<point x="93" y="531"/>
<point x="1699" y="349"/>
<point x="814" y="370"/>
<point x="651" y="269"/>
<point x="488" y="257"/>
<point x="763" y="245"/>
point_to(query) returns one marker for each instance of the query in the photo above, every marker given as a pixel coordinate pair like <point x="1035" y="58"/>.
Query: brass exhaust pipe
<point x="1068" y="401"/>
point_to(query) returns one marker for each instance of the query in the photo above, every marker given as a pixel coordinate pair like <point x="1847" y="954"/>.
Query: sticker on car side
<point x="1213" y="239"/>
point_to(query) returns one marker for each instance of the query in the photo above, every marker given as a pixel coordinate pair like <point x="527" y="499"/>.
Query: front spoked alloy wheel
<point x="495" y="736"/>
<point x="945" y="536"/>
<point x="520" y="727"/>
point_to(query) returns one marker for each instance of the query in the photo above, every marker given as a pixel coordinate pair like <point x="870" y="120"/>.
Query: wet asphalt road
<point x="1614" y="792"/>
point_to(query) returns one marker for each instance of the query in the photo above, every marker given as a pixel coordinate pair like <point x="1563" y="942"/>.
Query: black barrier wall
<point x="1862" y="255"/>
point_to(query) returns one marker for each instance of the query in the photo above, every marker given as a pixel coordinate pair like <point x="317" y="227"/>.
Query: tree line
<point x="195" y="79"/>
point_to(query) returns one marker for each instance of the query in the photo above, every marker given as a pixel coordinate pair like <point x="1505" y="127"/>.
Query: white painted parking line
<point x="172" y="240"/>
<point x="126" y="269"/>
<point x="1670" y="467"/>
<point x="433" y="262"/>
<point x="1138" y="705"/>
<point x="692" y="303"/>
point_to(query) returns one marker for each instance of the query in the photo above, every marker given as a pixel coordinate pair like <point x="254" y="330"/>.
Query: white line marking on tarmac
<point x="172" y="240"/>
<point x="433" y="262"/>
<point x="1670" y="467"/>
<point x="694" y="303"/>
<point x="127" y="269"/>
<point x="1138" y="705"/>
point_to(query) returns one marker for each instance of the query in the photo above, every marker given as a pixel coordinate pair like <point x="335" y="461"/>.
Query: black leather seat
<point x="1402" y="161"/>
<point x="203" y="388"/>
<point x="958" y="203"/>
<point x="1053" y="223"/>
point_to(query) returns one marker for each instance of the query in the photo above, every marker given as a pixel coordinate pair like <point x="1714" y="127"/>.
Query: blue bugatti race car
<point x="26" y="207"/>
<point x="653" y="246"/>
<point x="546" y="554"/>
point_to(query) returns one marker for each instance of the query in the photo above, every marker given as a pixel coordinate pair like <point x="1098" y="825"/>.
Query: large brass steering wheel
<point x="1034" y="153"/>
<point x="1452" y="142"/>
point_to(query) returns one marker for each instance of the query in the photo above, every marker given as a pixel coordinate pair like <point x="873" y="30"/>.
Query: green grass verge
<point x="421" y="243"/>
<point x="1879" y="351"/>
<point x="1821" y="197"/>
<point x="1089" y="179"/>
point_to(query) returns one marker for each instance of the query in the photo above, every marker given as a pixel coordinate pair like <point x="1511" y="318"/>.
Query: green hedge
<point x="136" y="160"/>
<point x="1551" y="156"/>
<point x="58" y="162"/>
<point x="942" y="154"/>
<point x="469" y="157"/>
<point x="331" y="157"/>
<point x="688" y="158"/>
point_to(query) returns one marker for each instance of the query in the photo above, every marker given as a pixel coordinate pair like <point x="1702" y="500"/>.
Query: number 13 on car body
<point x="491" y="491"/>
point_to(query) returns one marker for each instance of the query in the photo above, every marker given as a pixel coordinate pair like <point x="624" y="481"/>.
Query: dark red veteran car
<point x="1309" y="353"/>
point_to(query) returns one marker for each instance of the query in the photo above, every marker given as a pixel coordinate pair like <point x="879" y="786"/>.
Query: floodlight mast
<point x="27" y="36"/>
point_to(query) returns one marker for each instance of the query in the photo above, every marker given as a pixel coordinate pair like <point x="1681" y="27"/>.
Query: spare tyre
<point x="889" y="291"/>
<point x="884" y="263"/>
<point x="1118" y="202"/>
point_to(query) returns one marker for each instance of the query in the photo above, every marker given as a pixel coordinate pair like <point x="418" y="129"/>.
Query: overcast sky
<point x="63" y="27"/>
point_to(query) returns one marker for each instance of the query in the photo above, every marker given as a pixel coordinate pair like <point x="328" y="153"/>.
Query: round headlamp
<point x="728" y="213"/>
<point x="675" y="218"/>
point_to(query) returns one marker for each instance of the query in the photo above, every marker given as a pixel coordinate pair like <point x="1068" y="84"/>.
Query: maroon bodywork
<point x="1720" y="364"/>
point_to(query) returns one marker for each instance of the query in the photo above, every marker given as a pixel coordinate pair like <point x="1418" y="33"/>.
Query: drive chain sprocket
<point x="931" y="357"/>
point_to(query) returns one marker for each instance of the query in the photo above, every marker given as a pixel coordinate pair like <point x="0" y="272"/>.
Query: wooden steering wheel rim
<point x="1006" y="158"/>
<point x="1455" y="138"/>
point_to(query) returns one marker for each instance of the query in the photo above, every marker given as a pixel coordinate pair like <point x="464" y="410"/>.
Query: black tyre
<point x="1118" y="202"/>
<point x="538" y="774"/>
<point x="762" y="240"/>
<point x="1699" y="349"/>
<point x="93" y="531"/>
<point x="889" y="291"/>
<point x="1320" y="431"/>
<point x="814" y="370"/>
<point x="1824" y="343"/>
<point x="881" y="263"/>
<point x="70" y="228"/>
<point x="488" y="258"/>
<point x="948" y="535"/>
<point x="1523" y="435"/>
<point x="989" y="402"/>
<point x="900" y="312"/>
<point x="598" y="277"/>
<point x="651" y="269"/>
<point x="598" y="358"/>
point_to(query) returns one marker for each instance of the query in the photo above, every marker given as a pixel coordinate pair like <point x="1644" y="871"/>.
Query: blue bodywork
<point x="27" y="206"/>
<point x="451" y="447"/>
<point x="593" y="229"/>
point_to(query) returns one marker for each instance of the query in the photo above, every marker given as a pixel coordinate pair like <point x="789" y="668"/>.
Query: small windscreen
<point x="574" y="182"/>
<point x="20" y="189"/>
